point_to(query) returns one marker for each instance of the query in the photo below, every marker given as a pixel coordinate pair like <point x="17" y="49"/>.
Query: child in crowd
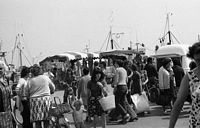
<point x="78" y="114"/>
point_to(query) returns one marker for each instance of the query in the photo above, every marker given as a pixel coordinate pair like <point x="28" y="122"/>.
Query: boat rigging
<point x="168" y="41"/>
<point x="20" y="48"/>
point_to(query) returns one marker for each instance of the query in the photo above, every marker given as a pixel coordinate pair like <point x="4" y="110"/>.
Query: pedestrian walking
<point x="82" y="89"/>
<point x="96" y="91"/>
<point x="120" y="87"/>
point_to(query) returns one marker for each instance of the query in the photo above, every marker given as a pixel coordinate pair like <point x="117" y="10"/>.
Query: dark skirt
<point x="94" y="107"/>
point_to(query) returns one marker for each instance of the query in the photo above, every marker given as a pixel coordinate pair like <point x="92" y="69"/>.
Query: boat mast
<point x="20" y="52"/>
<point x="109" y="39"/>
<point x="169" y="32"/>
<point x="18" y="46"/>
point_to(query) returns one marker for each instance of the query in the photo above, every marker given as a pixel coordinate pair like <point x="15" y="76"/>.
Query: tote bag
<point x="141" y="102"/>
<point x="108" y="102"/>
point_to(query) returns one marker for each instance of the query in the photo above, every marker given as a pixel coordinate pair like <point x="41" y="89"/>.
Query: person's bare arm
<point x="115" y="81"/>
<point x="181" y="97"/>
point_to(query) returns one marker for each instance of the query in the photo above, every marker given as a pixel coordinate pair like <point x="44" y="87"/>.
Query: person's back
<point x="83" y="85"/>
<point x="39" y="86"/>
<point x="122" y="76"/>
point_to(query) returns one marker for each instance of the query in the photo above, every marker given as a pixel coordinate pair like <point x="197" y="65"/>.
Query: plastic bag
<point x="141" y="102"/>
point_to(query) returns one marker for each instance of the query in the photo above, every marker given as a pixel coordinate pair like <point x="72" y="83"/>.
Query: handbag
<point x="6" y="119"/>
<point x="59" y="109"/>
<point x="141" y="102"/>
<point x="108" y="102"/>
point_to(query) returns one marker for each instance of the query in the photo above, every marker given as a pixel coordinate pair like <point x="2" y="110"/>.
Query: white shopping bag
<point x="141" y="102"/>
<point x="107" y="102"/>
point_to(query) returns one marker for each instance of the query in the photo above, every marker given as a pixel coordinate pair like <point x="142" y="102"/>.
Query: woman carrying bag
<point x="95" y="91"/>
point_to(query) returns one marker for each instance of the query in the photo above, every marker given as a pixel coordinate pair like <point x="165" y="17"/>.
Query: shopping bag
<point x="6" y="120"/>
<point x="108" y="102"/>
<point x="59" y="109"/>
<point x="141" y="102"/>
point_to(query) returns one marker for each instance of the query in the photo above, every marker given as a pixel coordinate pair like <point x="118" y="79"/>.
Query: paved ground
<point x="156" y="119"/>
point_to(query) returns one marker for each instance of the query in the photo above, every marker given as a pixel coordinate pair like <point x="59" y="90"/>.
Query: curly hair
<point x="194" y="49"/>
<point x="25" y="71"/>
<point x="36" y="70"/>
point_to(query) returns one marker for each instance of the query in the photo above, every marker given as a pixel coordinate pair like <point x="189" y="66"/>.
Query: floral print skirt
<point x="94" y="107"/>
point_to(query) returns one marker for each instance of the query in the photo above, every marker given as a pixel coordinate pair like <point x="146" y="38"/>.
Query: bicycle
<point x="152" y="91"/>
<point x="58" y="121"/>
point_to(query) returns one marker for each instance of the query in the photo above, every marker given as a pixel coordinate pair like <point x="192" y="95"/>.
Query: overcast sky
<point x="55" y="26"/>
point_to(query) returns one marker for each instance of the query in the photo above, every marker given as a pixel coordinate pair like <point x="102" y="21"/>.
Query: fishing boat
<point x="171" y="47"/>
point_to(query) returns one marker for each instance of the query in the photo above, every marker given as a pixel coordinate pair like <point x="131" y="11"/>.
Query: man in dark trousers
<point x="178" y="73"/>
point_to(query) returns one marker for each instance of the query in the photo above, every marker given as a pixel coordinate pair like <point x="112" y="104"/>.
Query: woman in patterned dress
<point x="191" y="81"/>
<point x="38" y="90"/>
<point x="95" y="91"/>
<point x="5" y="99"/>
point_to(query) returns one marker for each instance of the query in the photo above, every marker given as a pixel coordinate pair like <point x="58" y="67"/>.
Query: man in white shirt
<point x="164" y="77"/>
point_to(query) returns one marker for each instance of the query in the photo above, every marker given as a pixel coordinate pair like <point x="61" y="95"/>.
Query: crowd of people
<point x="33" y="92"/>
<point x="127" y="78"/>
